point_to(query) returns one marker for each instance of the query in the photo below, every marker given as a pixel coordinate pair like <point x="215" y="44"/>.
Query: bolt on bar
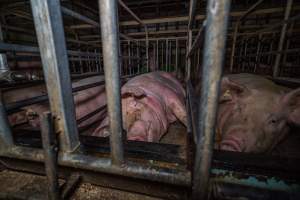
<point x="110" y="40"/>
<point x="288" y="9"/>
<point x="214" y="49"/>
<point x="236" y="28"/>
<point x="52" y="45"/>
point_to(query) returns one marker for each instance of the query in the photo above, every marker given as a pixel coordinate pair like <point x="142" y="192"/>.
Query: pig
<point x="254" y="113"/>
<point x="150" y="103"/>
<point x="86" y="101"/>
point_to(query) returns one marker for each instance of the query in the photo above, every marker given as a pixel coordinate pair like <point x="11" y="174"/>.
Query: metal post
<point x="50" y="154"/>
<point x="52" y="44"/>
<point x="189" y="47"/>
<point x="110" y="48"/>
<point x="3" y="60"/>
<point x="214" y="49"/>
<point x="167" y="54"/>
<point x="176" y="56"/>
<point x="6" y="138"/>
<point x="157" y="55"/>
<point x="288" y="9"/>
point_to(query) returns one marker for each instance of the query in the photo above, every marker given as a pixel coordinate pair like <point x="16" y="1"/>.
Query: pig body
<point x="150" y="102"/>
<point x="254" y="113"/>
<point x="86" y="101"/>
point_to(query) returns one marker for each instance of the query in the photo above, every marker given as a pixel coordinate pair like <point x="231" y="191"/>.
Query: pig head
<point x="254" y="113"/>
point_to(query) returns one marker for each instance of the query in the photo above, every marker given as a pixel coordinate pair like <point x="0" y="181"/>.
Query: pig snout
<point x="234" y="140"/>
<point x="138" y="131"/>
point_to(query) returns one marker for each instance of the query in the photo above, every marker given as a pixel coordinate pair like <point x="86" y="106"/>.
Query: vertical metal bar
<point x="157" y="55"/>
<point x="257" y="58"/>
<point x="162" y="55"/>
<point x="288" y="9"/>
<point x="52" y="44"/>
<point x="129" y="57"/>
<point x="147" y="48"/>
<point x="110" y="48"/>
<point x="139" y="56"/>
<point x="6" y="138"/>
<point x="214" y="48"/>
<point x="176" y="56"/>
<point x="189" y="47"/>
<point x="50" y="153"/>
<point x="3" y="59"/>
<point x="167" y="55"/>
<point x="236" y="28"/>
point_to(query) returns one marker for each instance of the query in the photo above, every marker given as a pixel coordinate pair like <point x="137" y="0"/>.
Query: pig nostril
<point x="231" y="144"/>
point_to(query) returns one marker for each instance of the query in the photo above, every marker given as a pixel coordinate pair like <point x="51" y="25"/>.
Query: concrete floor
<point x="21" y="186"/>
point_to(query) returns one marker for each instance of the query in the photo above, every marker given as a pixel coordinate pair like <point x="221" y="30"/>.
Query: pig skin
<point x="150" y="102"/>
<point x="86" y="101"/>
<point x="254" y="113"/>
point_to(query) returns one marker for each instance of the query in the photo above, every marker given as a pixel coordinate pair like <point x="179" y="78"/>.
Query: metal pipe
<point x="189" y="62"/>
<point x="197" y="41"/>
<point x="110" y="39"/>
<point x="6" y="138"/>
<point x="34" y="49"/>
<point x="288" y="9"/>
<point x="104" y="165"/>
<point x="214" y="48"/>
<point x="192" y="13"/>
<point x="3" y="59"/>
<point x="50" y="155"/>
<point x="79" y="16"/>
<point x="52" y="45"/>
<point x="176" y="56"/>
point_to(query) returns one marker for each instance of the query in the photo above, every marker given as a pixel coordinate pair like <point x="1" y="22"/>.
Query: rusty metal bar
<point x="52" y="45"/>
<point x="104" y="165"/>
<point x="6" y="138"/>
<point x="214" y="49"/>
<point x="50" y="154"/>
<point x="288" y="9"/>
<point x="110" y="48"/>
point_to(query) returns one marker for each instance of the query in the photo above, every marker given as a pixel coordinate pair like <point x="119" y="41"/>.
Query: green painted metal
<point x="253" y="180"/>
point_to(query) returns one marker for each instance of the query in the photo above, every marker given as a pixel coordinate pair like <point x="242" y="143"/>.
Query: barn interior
<point x="54" y="52"/>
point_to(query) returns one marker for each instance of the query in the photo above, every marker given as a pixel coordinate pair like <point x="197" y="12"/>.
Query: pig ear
<point x="292" y="102"/>
<point x="230" y="90"/>
<point x="133" y="91"/>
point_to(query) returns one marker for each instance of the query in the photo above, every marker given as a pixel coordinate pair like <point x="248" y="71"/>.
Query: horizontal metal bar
<point x="78" y="16"/>
<point x="130" y="169"/>
<point x="14" y="107"/>
<point x="254" y="181"/>
<point x="238" y="190"/>
<point x="131" y="12"/>
<point x="34" y="49"/>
